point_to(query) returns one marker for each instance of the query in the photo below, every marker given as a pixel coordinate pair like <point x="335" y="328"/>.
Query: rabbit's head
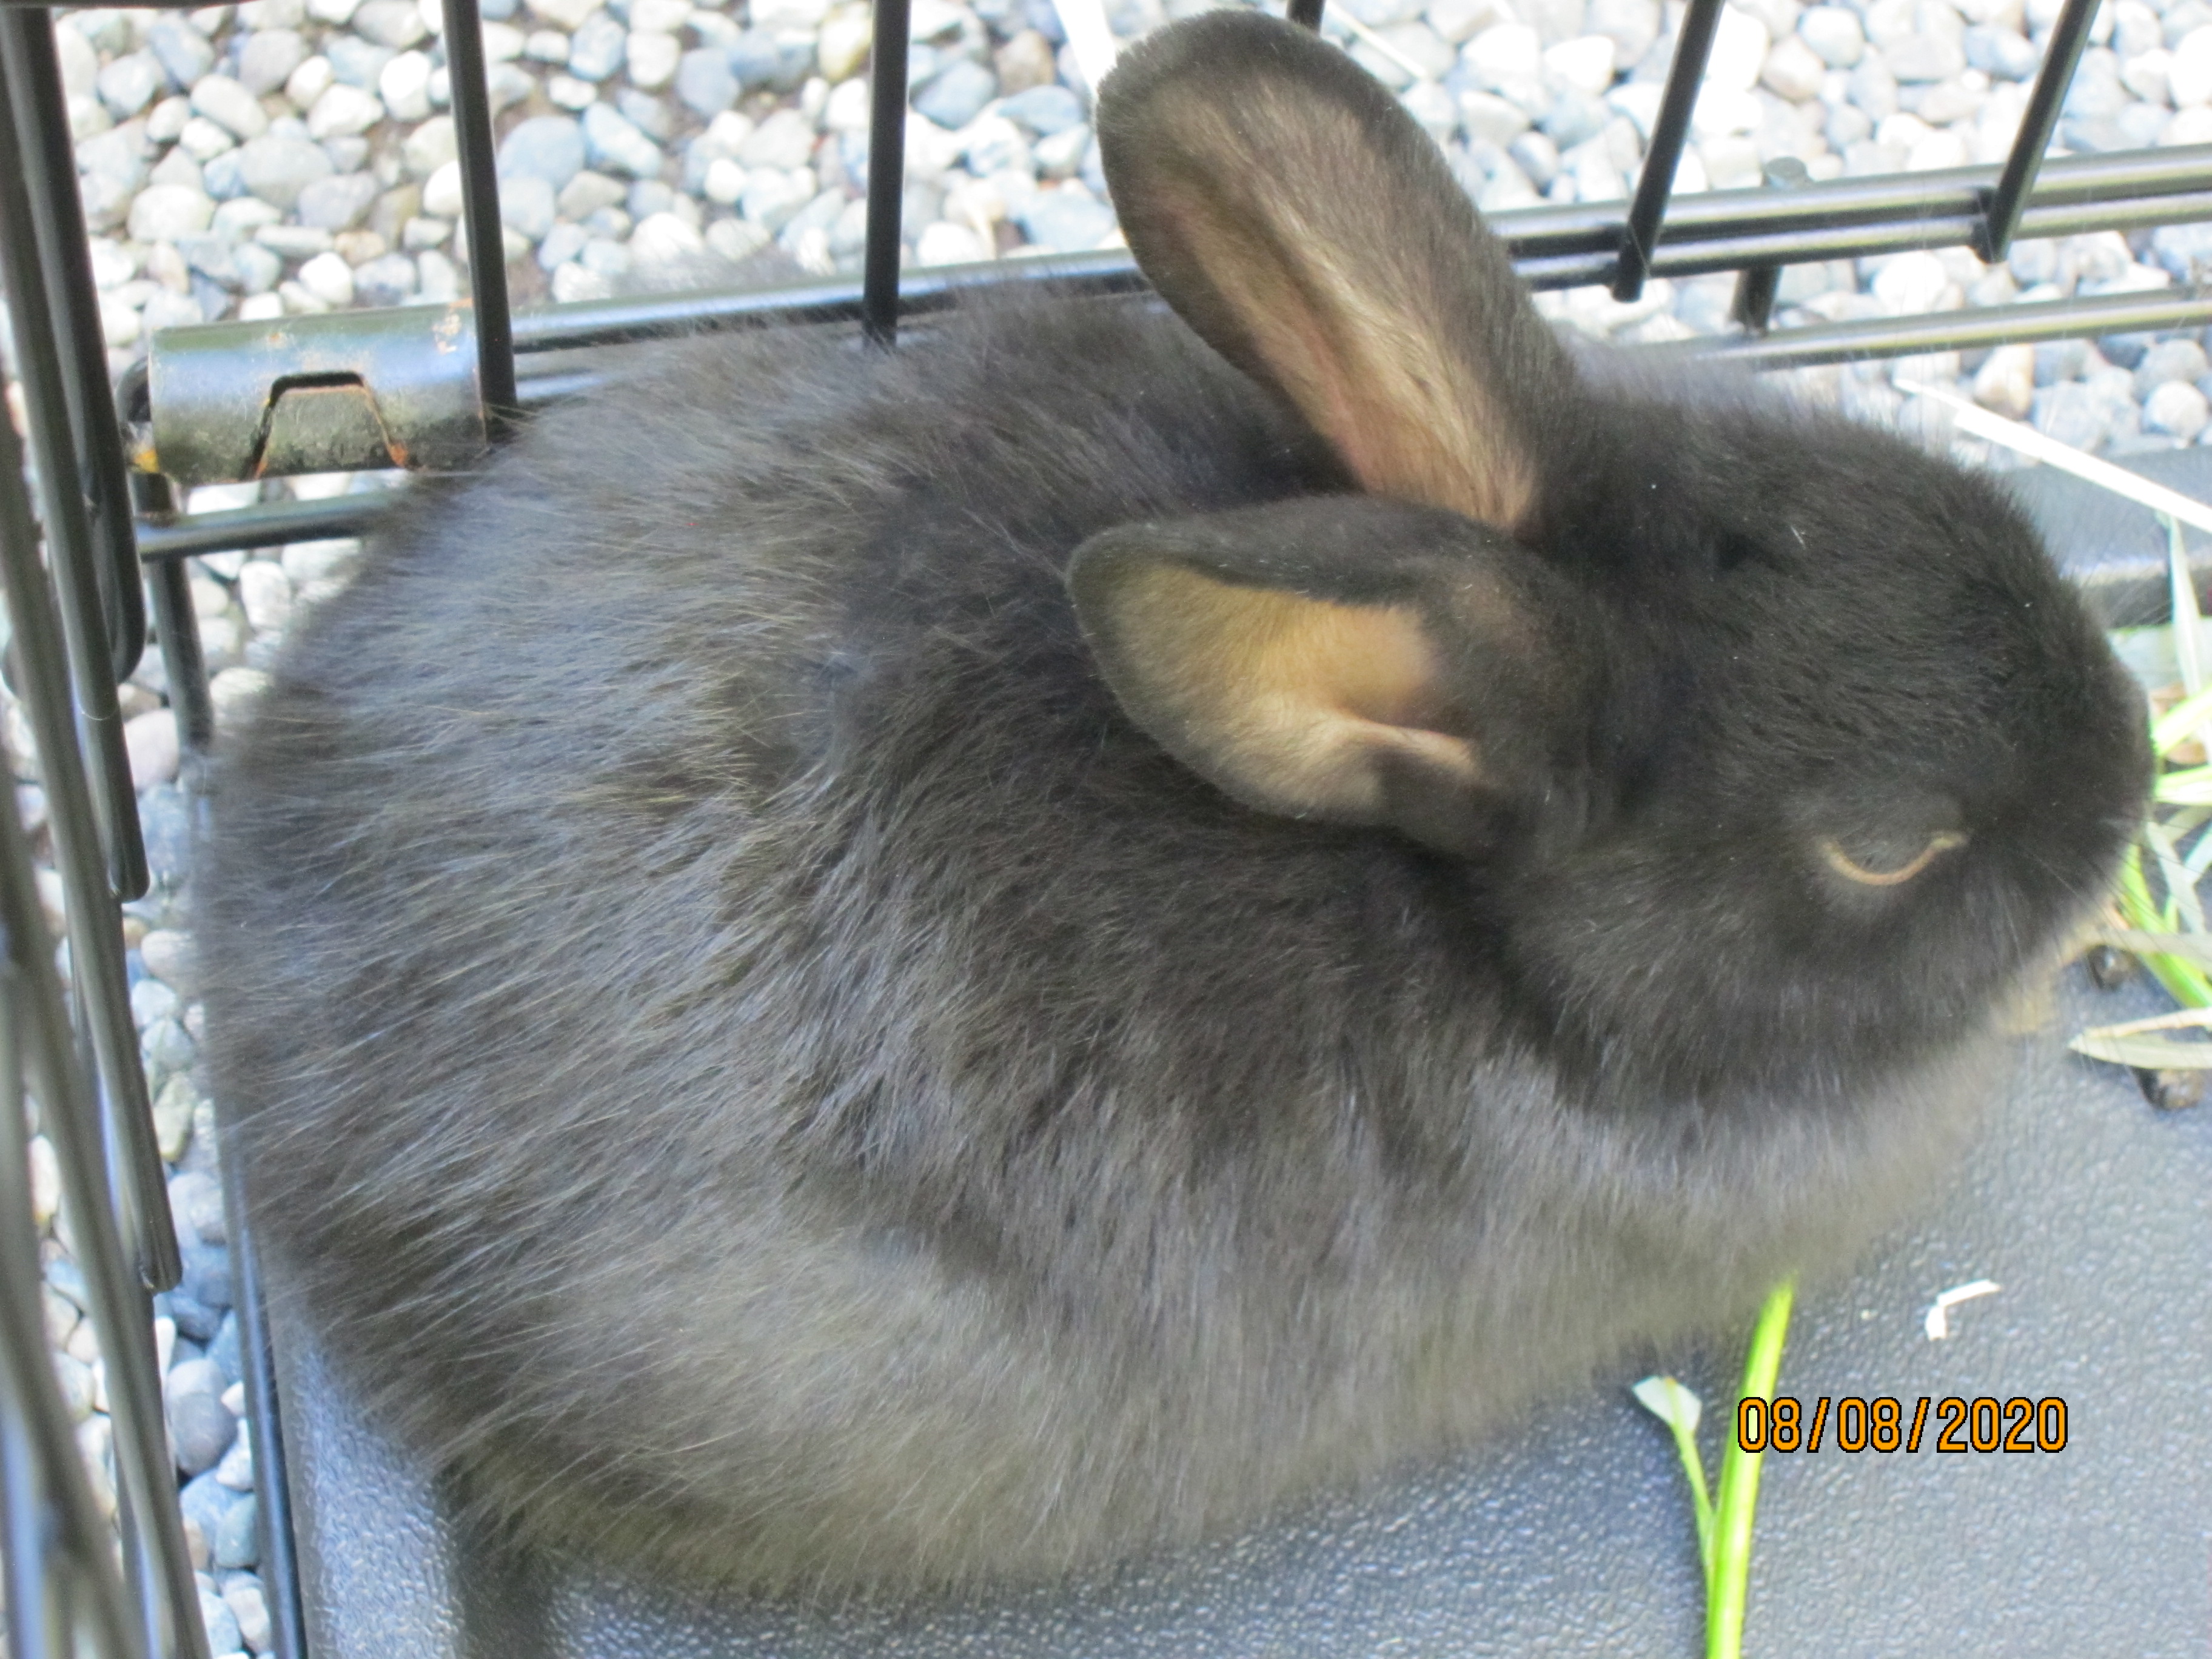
<point x="1770" y="748"/>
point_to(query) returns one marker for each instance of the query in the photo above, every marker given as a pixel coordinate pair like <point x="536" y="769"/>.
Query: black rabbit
<point x="863" y="968"/>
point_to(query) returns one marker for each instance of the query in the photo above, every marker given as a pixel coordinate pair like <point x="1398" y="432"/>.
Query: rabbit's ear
<point x="1291" y="212"/>
<point x="1351" y="659"/>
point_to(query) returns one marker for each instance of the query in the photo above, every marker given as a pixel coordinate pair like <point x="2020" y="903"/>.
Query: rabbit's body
<point x="775" y="1064"/>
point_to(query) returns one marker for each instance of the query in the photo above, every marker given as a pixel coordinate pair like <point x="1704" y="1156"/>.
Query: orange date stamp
<point x="1882" y="1425"/>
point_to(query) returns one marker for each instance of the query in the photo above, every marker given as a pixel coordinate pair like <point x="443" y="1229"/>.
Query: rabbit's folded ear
<point x="1349" y="658"/>
<point x="1291" y="212"/>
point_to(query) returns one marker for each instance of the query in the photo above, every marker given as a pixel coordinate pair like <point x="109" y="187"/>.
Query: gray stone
<point x="785" y="140"/>
<point x="178" y="169"/>
<point x="562" y="243"/>
<point x="221" y="1626"/>
<point x="277" y="168"/>
<point x="257" y="267"/>
<point x="230" y="105"/>
<point x="200" y="1427"/>
<point x="1633" y="24"/>
<point x="2072" y="413"/>
<point x="505" y="84"/>
<point x="205" y="1500"/>
<point x="649" y="114"/>
<point x="249" y="1604"/>
<point x="525" y="205"/>
<point x="597" y="50"/>
<point x="207" y="1280"/>
<point x="1069" y="219"/>
<point x="234" y="1544"/>
<point x="1574" y="118"/>
<point x="2142" y="125"/>
<point x="648" y="196"/>
<point x="2177" y="408"/>
<point x="957" y="95"/>
<point x="2166" y="361"/>
<point x="611" y="141"/>
<point x="117" y="156"/>
<point x="236" y="1469"/>
<point x="183" y="51"/>
<point x="548" y="147"/>
<point x="295" y="241"/>
<point x="2000" y="52"/>
<point x="356" y="63"/>
<point x="389" y="280"/>
<point x="395" y="23"/>
<point x="131" y="82"/>
<point x="1921" y="57"/>
<point x="587" y="192"/>
<point x="761" y="63"/>
<point x="153" y="1000"/>
<point x="339" y="203"/>
<point x="267" y="59"/>
<point x="196" y="1201"/>
<point x="1873" y="88"/>
<point x="609" y="258"/>
<point x="2183" y="250"/>
<point x="2097" y="89"/>
<point x="162" y="213"/>
<point x="166" y="826"/>
<point x="772" y="197"/>
<point x="705" y="82"/>
<point x="1044" y="110"/>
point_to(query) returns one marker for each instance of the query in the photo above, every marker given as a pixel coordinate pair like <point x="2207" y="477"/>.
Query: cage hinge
<point x="342" y="392"/>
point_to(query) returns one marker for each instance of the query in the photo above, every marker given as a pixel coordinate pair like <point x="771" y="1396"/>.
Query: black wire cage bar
<point x="106" y="461"/>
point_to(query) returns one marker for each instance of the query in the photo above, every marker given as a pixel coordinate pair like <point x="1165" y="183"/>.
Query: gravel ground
<point x="295" y="155"/>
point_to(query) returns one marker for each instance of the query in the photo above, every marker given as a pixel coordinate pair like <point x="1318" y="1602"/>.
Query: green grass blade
<point x="1679" y="1410"/>
<point x="1739" y="1499"/>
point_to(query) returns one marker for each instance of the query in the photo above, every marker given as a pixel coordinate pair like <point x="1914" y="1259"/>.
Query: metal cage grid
<point x="80" y="624"/>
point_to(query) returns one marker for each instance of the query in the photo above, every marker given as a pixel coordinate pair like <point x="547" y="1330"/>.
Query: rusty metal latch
<point x="342" y="392"/>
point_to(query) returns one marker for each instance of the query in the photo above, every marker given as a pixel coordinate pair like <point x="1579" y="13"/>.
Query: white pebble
<point x="309" y="82"/>
<point x="203" y="140"/>
<point x="1912" y="282"/>
<point x="162" y="213"/>
<point x="329" y="278"/>
<point x="2189" y="75"/>
<point x="665" y="238"/>
<point x="843" y="47"/>
<point x="229" y="104"/>
<point x="342" y="111"/>
<point x="1739" y="46"/>
<point x="1586" y="63"/>
<point x="1794" y="69"/>
<point x="404" y="85"/>
<point x="725" y="182"/>
<point x="442" y="193"/>
<point x="46" y="1180"/>
<point x="2005" y="383"/>
<point x="150" y="741"/>
<point x="1835" y="35"/>
<point x="266" y="594"/>
<point x="653" y="58"/>
<point x="944" y="244"/>
<point x="2178" y="408"/>
<point x="233" y="689"/>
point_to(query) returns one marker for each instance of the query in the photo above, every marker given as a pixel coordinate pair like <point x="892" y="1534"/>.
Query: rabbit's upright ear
<point x="1351" y="658"/>
<point x="1291" y="212"/>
